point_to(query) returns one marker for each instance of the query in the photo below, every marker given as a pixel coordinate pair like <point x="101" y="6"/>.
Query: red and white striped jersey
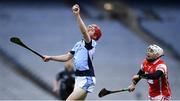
<point x="158" y="86"/>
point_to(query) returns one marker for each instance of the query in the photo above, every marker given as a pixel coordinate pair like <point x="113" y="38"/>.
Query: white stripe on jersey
<point x="162" y="67"/>
<point x="160" y="85"/>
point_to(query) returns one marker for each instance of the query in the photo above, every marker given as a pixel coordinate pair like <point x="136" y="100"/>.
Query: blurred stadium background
<point x="49" y="26"/>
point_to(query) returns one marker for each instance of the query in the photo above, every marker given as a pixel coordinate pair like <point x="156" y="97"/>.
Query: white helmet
<point x="155" y="49"/>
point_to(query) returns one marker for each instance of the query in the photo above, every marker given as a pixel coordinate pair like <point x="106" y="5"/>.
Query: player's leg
<point x="83" y="85"/>
<point x="77" y="94"/>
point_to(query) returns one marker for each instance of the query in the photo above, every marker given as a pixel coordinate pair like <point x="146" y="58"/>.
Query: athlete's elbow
<point x="84" y="32"/>
<point x="64" y="60"/>
<point x="67" y="58"/>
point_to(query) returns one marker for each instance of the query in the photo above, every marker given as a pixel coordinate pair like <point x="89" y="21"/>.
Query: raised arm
<point x="60" y="58"/>
<point x="82" y="26"/>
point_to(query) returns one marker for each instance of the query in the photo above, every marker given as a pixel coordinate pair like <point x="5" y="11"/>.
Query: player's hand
<point x="132" y="87"/>
<point x="46" y="58"/>
<point x="76" y="9"/>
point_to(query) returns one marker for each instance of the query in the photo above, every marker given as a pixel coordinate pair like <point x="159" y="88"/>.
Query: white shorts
<point x="85" y="82"/>
<point x="159" y="98"/>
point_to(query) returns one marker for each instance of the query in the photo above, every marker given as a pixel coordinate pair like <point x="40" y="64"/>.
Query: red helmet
<point x="97" y="34"/>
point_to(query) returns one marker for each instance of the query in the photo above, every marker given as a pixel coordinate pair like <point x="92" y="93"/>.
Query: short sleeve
<point x="73" y="50"/>
<point x="88" y="45"/>
<point x="162" y="67"/>
<point x="74" y="47"/>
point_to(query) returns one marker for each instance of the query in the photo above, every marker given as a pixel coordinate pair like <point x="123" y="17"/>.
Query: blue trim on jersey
<point x="80" y="56"/>
<point x="88" y="83"/>
<point x="83" y="52"/>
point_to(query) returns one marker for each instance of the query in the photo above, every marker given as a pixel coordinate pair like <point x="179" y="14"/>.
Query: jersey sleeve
<point x="88" y="45"/>
<point x="152" y="76"/>
<point x="162" y="67"/>
<point x="73" y="50"/>
<point x="74" y="47"/>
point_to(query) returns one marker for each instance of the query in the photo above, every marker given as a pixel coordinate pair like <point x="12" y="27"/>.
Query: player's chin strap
<point x="152" y="60"/>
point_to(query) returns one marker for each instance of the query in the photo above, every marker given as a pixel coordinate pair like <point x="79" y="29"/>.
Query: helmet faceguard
<point x="154" y="52"/>
<point x="97" y="32"/>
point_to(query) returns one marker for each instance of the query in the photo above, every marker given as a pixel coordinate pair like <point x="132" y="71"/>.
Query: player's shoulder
<point x="78" y="43"/>
<point x="93" y="42"/>
<point x="161" y="60"/>
<point x="62" y="72"/>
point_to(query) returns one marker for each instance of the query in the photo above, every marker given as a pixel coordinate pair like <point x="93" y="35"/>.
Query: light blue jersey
<point x="83" y="54"/>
